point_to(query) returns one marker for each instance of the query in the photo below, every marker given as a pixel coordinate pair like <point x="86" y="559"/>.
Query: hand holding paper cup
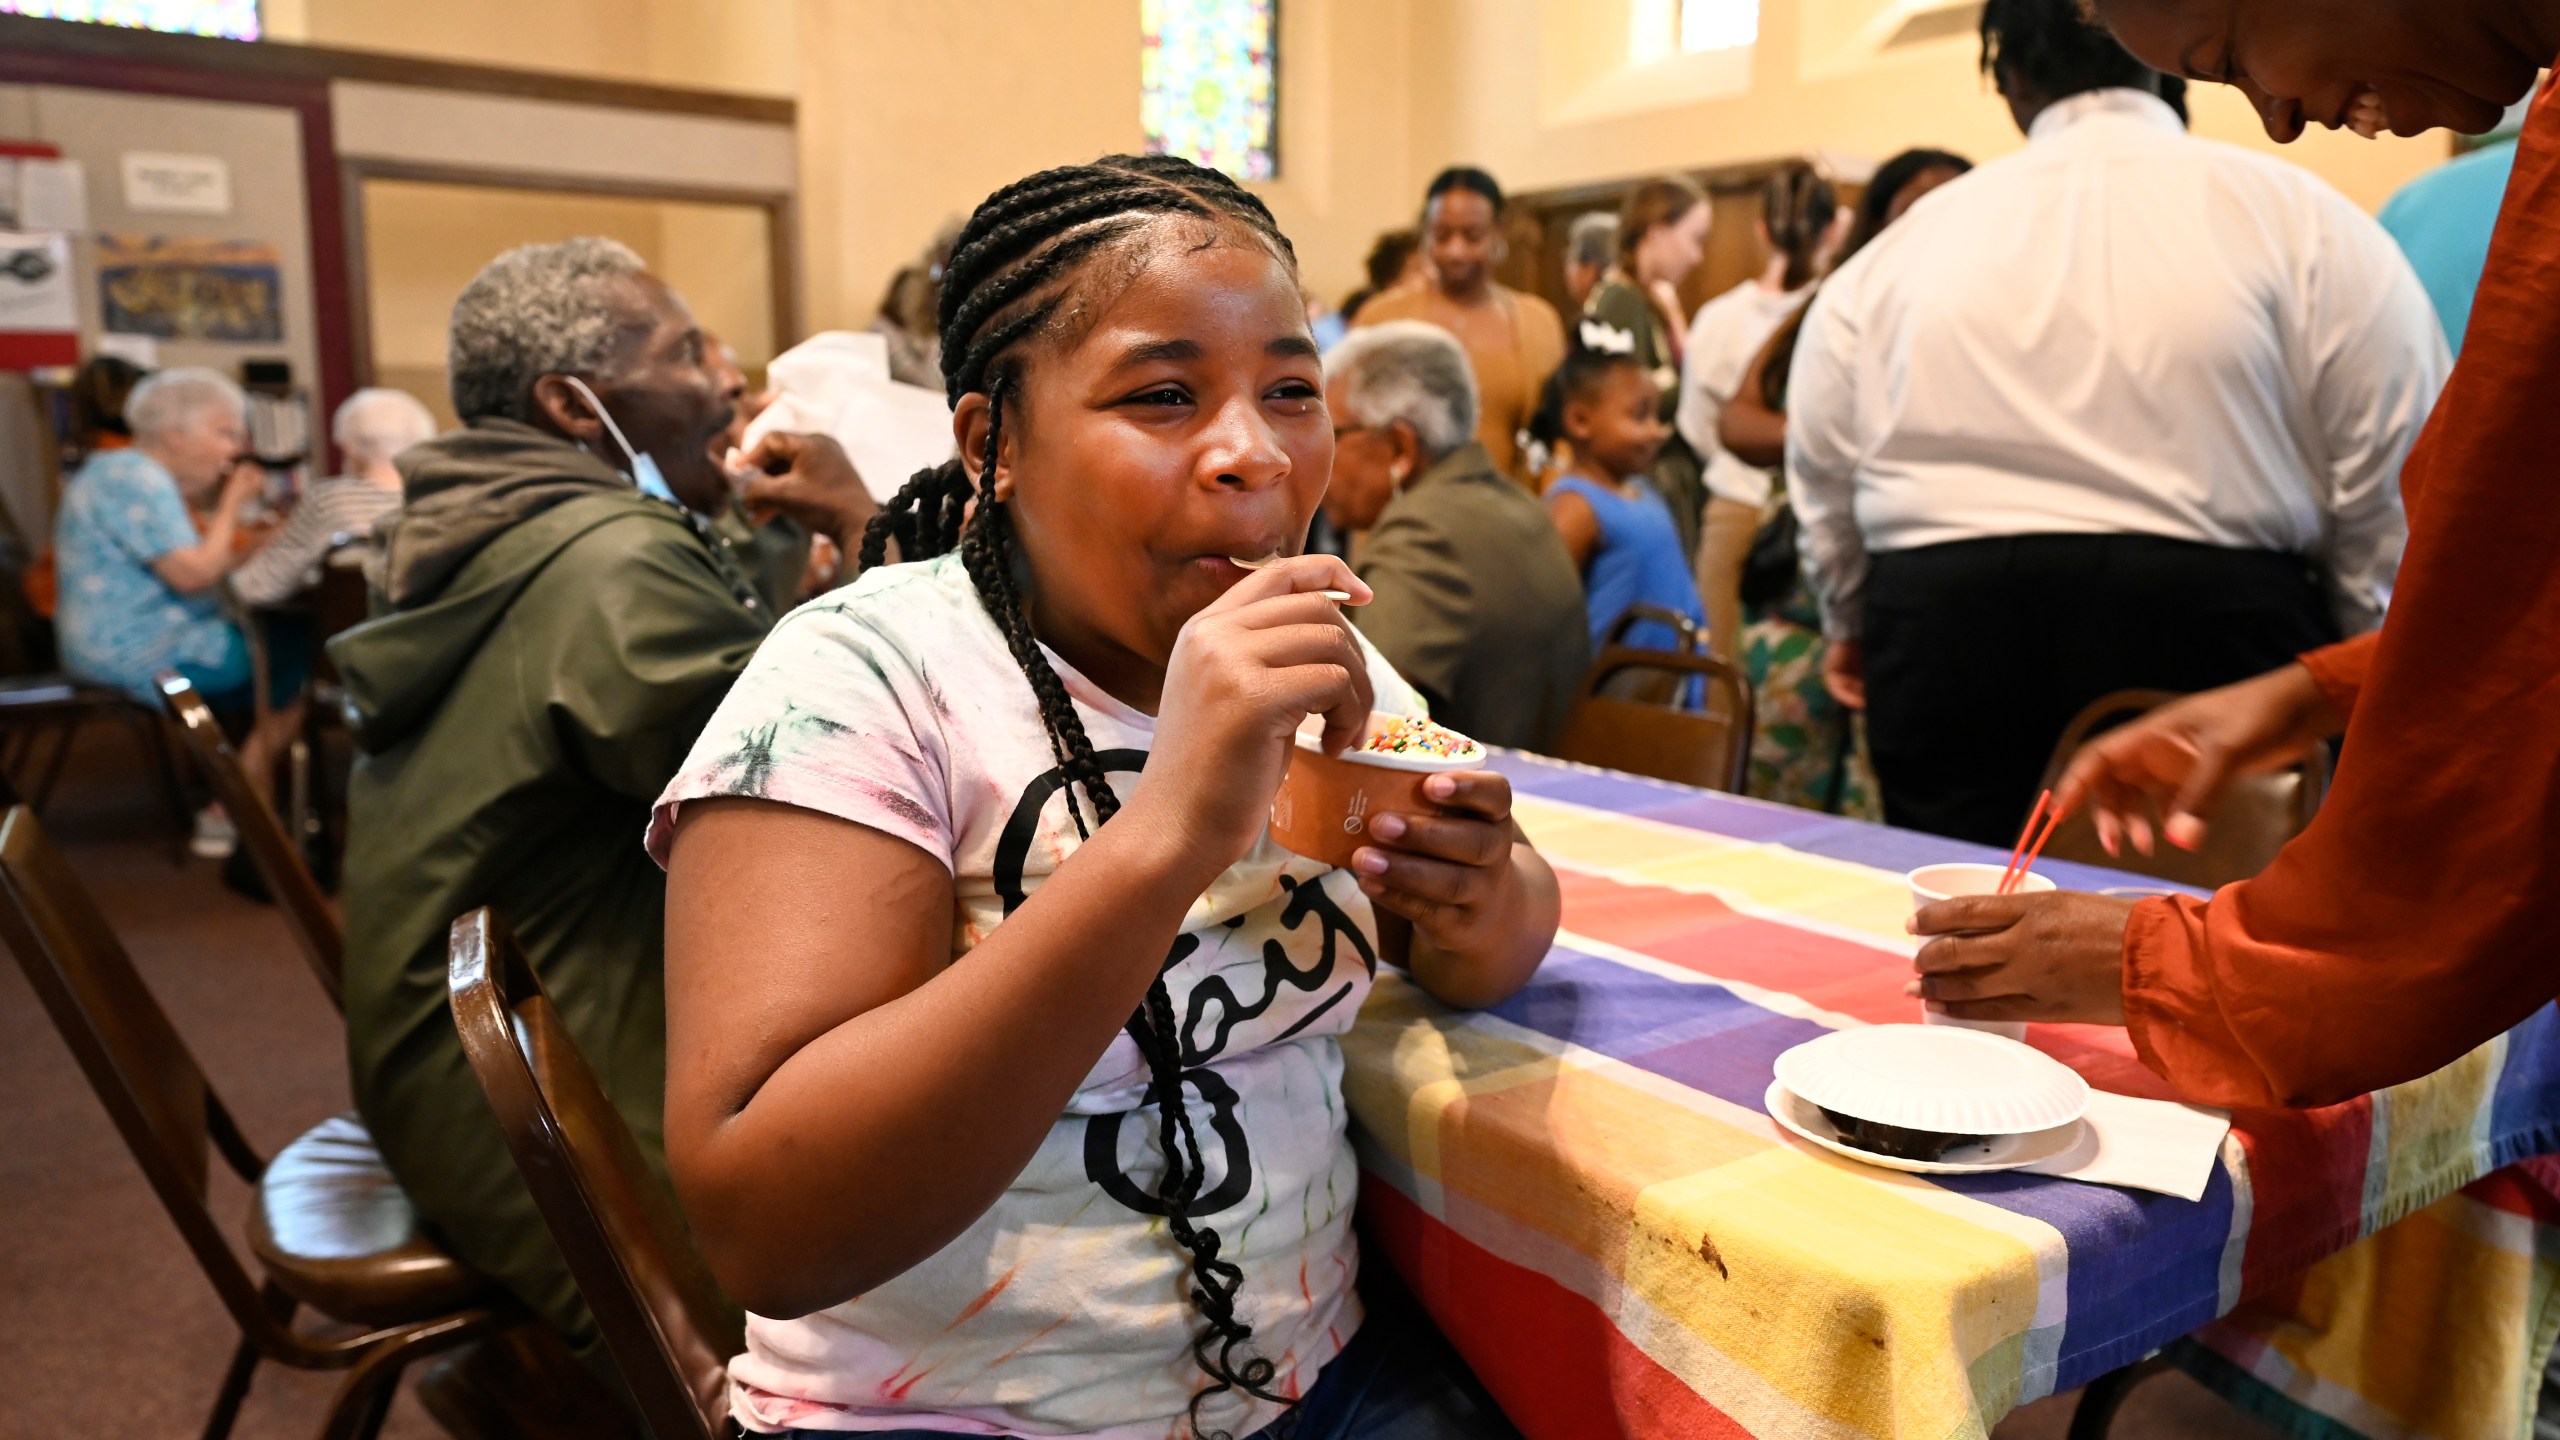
<point x="1933" y="883"/>
<point x="1326" y="802"/>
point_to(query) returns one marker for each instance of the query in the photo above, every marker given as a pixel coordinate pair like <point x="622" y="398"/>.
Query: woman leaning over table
<point x="2418" y="916"/>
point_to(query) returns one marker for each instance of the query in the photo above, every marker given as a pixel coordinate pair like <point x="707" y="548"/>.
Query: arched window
<point x="1208" y="81"/>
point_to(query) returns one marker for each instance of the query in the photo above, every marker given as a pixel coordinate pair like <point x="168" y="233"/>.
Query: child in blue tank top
<point x="1615" y="524"/>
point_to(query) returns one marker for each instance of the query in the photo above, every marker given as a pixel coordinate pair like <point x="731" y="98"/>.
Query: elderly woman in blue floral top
<point x="144" y="539"/>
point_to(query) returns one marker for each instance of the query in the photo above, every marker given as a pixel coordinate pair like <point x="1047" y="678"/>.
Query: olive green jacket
<point x="1478" y="602"/>
<point x="516" y="722"/>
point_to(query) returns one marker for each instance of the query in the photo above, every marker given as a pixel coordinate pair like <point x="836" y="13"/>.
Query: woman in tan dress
<point x="1513" y="339"/>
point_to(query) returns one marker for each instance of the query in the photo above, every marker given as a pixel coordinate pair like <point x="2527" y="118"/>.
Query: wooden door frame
<point x="782" y="230"/>
<point x="308" y="99"/>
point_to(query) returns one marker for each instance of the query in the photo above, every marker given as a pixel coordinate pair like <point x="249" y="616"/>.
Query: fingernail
<point x="1912" y="990"/>
<point x="1388" y="827"/>
<point x="1440" y="787"/>
<point x="1368" y="862"/>
<point x="1911" y="924"/>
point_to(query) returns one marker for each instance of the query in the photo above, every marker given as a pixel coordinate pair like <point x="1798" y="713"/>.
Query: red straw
<point x="2026" y="832"/>
<point x="2020" y="878"/>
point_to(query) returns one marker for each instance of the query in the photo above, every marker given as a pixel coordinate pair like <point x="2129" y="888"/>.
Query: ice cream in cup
<point x="1326" y="802"/>
<point x="1933" y="883"/>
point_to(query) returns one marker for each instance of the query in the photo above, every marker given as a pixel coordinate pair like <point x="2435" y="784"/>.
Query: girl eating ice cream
<point x="1003" y="1085"/>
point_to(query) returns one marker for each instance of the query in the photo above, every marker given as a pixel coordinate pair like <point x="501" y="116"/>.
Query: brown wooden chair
<point x="1708" y="746"/>
<point x="661" y="1314"/>
<point x="306" y="910"/>
<point x="329" y="1227"/>
<point x="1690" y="632"/>
<point x="2258" y="813"/>
<point x="37" y="710"/>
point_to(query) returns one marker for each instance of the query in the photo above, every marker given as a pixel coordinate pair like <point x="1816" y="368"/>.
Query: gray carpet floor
<point x="108" y="1331"/>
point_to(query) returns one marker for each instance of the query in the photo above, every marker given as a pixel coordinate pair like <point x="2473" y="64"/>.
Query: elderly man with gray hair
<point x="1478" y="604"/>
<point x="141" y="581"/>
<point x="556" y="625"/>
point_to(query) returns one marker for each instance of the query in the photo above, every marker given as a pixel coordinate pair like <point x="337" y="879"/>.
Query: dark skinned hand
<point x="812" y="480"/>
<point x="1450" y="873"/>
<point x="2057" y="957"/>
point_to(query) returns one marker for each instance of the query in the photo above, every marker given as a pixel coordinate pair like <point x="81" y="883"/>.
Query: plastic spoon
<point x="1338" y="597"/>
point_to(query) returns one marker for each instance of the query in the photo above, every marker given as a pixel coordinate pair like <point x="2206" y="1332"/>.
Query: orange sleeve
<point x="2419" y="915"/>
<point x="2339" y="669"/>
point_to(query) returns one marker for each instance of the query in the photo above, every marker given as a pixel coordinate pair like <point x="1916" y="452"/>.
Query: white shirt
<point x="894" y="703"/>
<point x="1724" y="339"/>
<point x="2119" y="329"/>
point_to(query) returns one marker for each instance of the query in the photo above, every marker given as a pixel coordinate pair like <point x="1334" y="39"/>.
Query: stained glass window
<point x="1209" y="83"/>
<point x="229" y="19"/>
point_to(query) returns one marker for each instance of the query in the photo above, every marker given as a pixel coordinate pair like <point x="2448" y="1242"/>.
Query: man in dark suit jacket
<point x="1478" y="604"/>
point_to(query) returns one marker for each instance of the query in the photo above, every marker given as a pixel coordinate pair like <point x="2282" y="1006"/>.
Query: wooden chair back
<point x="1699" y="734"/>
<point x="141" y="1070"/>
<point x="2257" y="815"/>
<point x="297" y="893"/>
<point x="342" y="602"/>
<point x="661" y="1314"/>
<point x="1687" y="629"/>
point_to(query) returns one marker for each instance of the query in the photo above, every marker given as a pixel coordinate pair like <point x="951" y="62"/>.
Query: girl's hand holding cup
<point x="1245" y="672"/>
<point x="1450" y="872"/>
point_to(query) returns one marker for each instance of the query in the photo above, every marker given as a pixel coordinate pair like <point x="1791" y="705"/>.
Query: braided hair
<point x="1012" y="276"/>
<point x="1797" y="206"/>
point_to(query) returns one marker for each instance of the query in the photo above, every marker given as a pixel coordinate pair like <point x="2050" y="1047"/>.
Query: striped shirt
<point x="336" y="512"/>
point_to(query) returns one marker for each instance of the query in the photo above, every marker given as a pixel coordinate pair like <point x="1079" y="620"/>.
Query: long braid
<point x="1009" y="274"/>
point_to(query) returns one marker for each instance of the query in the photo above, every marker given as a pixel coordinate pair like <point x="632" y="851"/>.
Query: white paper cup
<point x="1933" y="883"/>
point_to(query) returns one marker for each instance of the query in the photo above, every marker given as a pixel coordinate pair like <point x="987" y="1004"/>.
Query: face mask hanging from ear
<point x="644" y="467"/>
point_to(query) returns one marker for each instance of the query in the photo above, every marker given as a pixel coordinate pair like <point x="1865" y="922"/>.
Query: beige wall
<point x="1524" y="87"/>
<point x="909" y="114"/>
<point x="424" y="243"/>
<point x="741" y="45"/>
<point x="912" y="112"/>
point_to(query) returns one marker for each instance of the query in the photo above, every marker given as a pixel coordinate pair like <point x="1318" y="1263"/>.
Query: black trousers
<point x="1980" y="652"/>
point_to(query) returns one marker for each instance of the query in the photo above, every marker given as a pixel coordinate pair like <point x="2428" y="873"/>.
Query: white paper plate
<point x="1931" y="1077"/>
<point x="1999" y="1152"/>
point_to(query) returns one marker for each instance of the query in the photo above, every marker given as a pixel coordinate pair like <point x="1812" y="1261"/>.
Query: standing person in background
<point x="1796" y="231"/>
<point x="1476" y="600"/>
<point x="1636" y="312"/>
<point x="142" y="576"/>
<point x="1615" y="525"/>
<point x="1590" y="245"/>
<point x="2442" y="222"/>
<point x="1807" y="748"/>
<point x="1513" y="340"/>
<point x="1395" y="258"/>
<point x="372" y="427"/>
<point x="2123" y="410"/>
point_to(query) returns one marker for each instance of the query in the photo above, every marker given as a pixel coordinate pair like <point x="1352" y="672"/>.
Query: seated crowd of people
<point x="816" y="866"/>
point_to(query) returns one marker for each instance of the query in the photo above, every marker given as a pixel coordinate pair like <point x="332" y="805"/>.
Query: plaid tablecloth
<point x="1583" y="1186"/>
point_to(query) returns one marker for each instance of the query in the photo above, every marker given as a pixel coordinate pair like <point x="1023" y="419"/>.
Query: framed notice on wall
<point x="191" y="289"/>
<point x="39" y="313"/>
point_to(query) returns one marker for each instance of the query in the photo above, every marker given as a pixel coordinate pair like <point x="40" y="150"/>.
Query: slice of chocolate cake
<point x="1894" y="1140"/>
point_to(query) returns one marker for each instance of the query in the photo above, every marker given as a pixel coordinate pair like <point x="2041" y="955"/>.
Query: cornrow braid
<point x="1011" y="270"/>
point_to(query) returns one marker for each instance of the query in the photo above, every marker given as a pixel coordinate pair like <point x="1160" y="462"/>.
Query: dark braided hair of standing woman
<point x="1010" y="278"/>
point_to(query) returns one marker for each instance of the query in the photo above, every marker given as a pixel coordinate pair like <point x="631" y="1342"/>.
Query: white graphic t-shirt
<point x="1063" y="1310"/>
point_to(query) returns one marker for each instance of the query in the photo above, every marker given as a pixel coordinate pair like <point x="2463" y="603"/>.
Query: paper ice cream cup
<point x="1933" y="883"/>
<point x="1327" y="802"/>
